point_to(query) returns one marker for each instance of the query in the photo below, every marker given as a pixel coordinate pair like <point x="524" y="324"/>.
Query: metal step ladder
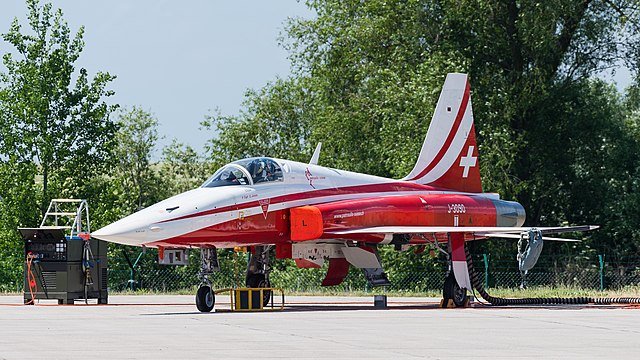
<point x="72" y="214"/>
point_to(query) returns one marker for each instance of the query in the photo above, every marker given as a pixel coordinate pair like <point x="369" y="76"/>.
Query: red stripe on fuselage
<point x="452" y="134"/>
<point x="358" y="189"/>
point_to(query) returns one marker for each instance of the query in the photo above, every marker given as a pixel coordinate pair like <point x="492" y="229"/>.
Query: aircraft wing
<point x="480" y="231"/>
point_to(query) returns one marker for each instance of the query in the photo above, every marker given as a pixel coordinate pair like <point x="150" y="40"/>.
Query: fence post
<point x="485" y="257"/>
<point x="601" y="259"/>
<point x="131" y="284"/>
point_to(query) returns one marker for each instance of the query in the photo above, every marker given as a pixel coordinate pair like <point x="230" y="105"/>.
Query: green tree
<point x="132" y="182"/>
<point x="55" y="130"/>
<point x="17" y="196"/>
<point x="138" y="182"/>
<point x="183" y="167"/>
<point x="275" y="122"/>
<point x="367" y="76"/>
<point x="48" y="118"/>
<point x="528" y="63"/>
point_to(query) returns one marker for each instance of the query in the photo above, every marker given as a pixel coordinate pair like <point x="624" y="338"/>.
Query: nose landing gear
<point x="205" y="298"/>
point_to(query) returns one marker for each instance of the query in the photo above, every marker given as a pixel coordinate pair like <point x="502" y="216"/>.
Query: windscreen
<point x="262" y="170"/>
<point x="228" y="175"/>
<point x="253" y="171"/>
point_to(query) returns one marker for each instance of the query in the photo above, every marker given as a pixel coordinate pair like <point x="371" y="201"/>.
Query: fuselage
<point x="254" y="208"/>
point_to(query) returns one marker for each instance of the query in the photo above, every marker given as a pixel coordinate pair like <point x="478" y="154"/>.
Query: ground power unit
<point x="63" y="262"/>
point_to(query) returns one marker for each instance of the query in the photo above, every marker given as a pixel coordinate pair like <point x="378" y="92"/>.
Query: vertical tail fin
<point x="449" y="155"/>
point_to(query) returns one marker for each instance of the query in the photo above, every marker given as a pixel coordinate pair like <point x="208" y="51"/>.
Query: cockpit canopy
<point x="252" y="171"/>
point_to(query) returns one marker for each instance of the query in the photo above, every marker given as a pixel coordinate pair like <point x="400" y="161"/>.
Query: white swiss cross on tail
<point x="468" y="161"/>
<point x="450" y="142"/>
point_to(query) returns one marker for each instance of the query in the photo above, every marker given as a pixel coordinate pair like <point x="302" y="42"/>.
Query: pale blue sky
<point x="178" y="59"/>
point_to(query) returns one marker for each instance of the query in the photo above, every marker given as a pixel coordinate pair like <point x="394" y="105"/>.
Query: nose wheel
<point x="205" y="298"/>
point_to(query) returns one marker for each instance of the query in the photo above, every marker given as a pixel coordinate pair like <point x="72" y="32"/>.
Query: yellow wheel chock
<point x="251" y="299"/>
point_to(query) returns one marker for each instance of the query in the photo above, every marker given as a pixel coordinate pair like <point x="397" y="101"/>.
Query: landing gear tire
<point x="205" y="299"/>
<point x="259" y="281"/>
<point x="453" y="291"/>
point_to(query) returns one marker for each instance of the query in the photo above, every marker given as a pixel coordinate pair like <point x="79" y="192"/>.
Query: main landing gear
<point x="457" y="283"/>
<point x="452" y="291"/>
<point x="258" y="271"/>
<point x="205" y="298"/>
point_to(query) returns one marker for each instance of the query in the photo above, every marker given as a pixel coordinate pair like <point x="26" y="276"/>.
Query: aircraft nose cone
<point x="122" y="233"/>
<point x="167" y="219"/>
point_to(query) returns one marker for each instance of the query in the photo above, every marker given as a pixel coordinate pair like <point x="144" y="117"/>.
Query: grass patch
<point x="531" y="292"/>
<point x="547" y="292"/>
<point x="186" y="291"/>
<point x="396" y="293"/>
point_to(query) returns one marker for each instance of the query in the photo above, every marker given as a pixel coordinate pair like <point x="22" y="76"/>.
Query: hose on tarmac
<point x="476" y="282"/>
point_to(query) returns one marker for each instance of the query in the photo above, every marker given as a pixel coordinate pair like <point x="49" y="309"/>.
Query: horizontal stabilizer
<point x="480" y="231"/>
<point x="516" y="236"/>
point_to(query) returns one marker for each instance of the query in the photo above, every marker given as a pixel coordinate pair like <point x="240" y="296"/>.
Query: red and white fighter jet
<point x="313" y="213"/>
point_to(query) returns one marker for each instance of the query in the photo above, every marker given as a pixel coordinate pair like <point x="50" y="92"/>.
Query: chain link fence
<point x="596" y="275"/>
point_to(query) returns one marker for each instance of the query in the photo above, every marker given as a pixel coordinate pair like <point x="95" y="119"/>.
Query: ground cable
<point x="477" y="284"/>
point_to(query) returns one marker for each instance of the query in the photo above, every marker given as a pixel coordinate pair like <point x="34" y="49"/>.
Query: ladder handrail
<point x="54" y="210"/>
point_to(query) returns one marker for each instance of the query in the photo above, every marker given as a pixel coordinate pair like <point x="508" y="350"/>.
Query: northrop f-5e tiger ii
<point x="313" y="214"/>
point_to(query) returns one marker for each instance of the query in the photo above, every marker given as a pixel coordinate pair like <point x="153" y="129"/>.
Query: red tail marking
<point x="452" y="134"/>
<point x="455" y="177"/>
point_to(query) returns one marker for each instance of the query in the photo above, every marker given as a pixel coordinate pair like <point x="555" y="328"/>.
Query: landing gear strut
<point x="457" y="282"/>
<point x="258" y="271"/>
<point x="205" y="298"/>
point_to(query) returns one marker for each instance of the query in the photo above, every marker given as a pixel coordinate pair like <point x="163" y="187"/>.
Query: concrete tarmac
<point x="170" y="327"/>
